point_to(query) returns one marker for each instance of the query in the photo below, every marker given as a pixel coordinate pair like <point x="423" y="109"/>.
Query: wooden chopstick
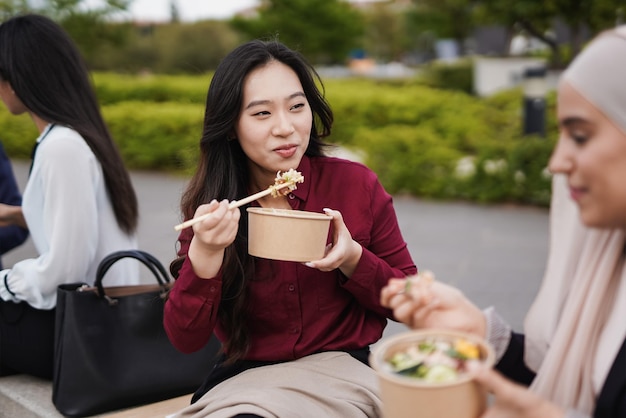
<point x="235" y="204"/>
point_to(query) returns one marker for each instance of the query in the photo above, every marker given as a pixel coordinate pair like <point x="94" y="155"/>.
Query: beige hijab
<point x="577" y="323"/>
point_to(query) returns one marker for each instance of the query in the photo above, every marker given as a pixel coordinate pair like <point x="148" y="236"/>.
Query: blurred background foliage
<point x="325" y="31"/>
<point x="420" y="140"/>
<point x="426" y="134"/>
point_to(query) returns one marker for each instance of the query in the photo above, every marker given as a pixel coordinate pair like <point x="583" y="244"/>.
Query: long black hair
<point x="47" y="73"/>
<point x="222" y="171"/>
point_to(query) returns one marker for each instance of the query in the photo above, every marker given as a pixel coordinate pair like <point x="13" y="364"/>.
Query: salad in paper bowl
<point x="435" y="359"/>
<point x="427" y="371"/>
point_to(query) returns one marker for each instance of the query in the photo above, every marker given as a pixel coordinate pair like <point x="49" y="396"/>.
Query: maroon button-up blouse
<point x="296" y="310"/>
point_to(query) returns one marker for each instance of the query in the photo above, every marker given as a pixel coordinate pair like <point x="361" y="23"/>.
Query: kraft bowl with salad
<point x="425" y="373"/>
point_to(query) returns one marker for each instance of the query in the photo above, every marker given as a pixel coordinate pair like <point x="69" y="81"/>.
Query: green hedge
<point x="115" y="88"/>
<point x="159" y="136"/>
<point x="17" y="134"/>
<point x="152" y="136"/>
<point x="444" y="144"/>
<point x="427" y="142"/>
<point x="457" y="75"/>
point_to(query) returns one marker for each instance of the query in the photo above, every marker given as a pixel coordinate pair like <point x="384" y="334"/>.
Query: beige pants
<point x="331" y="384"/>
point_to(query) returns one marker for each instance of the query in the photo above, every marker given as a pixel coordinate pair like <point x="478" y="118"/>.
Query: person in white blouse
<point x="79" y="203"/>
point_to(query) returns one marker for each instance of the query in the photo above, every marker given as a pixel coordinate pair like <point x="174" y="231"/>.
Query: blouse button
<point x="212" y="289"/>
<point x="291" y="288"/>
<point x="292" y="196"/>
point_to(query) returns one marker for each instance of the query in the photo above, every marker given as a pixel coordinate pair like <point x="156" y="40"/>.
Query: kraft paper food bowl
<point x="287" y="235"/>
<point x="409" y="397"/>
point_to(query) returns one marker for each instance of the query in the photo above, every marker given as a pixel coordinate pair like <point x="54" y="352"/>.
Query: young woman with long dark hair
<point x="79" y="203"/>
<point x="296" y="336"/>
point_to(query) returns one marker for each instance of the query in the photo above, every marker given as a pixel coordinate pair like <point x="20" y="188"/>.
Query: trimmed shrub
<point x="115" y="88"/>
<point x="157" y="136"/>
<point x="18" y="134"/>
<point x="457" y="75"/>
<point x="423" y="141"/>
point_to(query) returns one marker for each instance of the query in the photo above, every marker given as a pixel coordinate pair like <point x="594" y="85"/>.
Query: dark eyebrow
<point x="262" y="102"/>
<point x="573" y="120"/>
<point x="257" y="103"/>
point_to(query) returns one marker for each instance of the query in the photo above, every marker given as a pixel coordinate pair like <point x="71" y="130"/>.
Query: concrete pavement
<point x="495" y="254"/>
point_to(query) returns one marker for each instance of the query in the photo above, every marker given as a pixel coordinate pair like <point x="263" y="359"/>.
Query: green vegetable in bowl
<point x="435" y="360"/>
<point x="440" y="374"/>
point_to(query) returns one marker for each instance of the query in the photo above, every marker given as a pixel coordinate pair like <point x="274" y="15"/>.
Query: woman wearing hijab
<point x="573" y="352"/>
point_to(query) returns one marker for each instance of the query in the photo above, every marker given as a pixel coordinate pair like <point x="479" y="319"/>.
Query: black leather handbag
<point x="111" y="350"/>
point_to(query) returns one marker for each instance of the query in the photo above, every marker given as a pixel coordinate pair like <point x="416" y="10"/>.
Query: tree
<point x="530" y="16"/>
<point x="537" y="18"/>
<point x="174" y="13"/>
<point x="386" y="36"/>
<point x="596" y="15"/>
<point x="10" y="8"/>
<point x="87" y="26"/>
<point x="325" y="31"/>
<point x="192" y="47"/>
<point x="168" y="48"/>
<point x="59" y="9"/>
<point x="444" y="18"/>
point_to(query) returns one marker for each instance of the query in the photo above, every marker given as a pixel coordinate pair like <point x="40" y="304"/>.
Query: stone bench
<point x="29" y="397"/>
<point x="23" y="396"/>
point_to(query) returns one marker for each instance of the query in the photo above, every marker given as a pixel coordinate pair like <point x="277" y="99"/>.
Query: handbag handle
<point x="147" y="259"/>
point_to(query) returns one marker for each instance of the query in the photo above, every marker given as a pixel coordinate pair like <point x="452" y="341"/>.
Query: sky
<point x="189" y="10"/>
